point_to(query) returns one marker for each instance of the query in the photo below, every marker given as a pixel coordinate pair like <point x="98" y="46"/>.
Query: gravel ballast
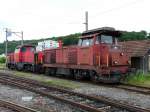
<point x="121" y="95"/>
<point x="32" y="100"/>
<point x="2" y="109"/>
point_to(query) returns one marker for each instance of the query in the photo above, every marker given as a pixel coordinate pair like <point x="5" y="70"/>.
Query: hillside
<point x="67" y="40"/>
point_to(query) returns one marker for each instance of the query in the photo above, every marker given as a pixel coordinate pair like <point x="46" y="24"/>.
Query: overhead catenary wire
<point x="117" y="8"/>
<point x="125" y="5"/>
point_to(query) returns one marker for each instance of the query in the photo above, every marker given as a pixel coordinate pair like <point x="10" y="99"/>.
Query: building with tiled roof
<point x="139" y="53"/>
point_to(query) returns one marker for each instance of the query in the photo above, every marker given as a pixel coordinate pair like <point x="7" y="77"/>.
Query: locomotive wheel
<point x="78" y="75"/>
<point x="50" y="71"/>
<point x="47" y="71"/>
<point x="25" y="68"/>
<point x="53" y="71"/>
<point x="95" y="78"/>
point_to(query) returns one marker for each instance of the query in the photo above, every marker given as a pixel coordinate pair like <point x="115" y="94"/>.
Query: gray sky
<point x="48" y="18"/>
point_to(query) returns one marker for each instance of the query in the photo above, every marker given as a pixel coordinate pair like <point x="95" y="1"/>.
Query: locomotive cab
<point x="24" y="57"/>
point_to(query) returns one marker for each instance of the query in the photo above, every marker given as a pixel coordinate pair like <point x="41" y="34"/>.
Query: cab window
<point x="80" y="42"/>
<point x="106" y="39"/>
<point x="87" y="42"/>
<point x="31" y="49"/>
<point x="97" y="40"/>
<point x="23" y="49"/>
<point x="16" y="50"/>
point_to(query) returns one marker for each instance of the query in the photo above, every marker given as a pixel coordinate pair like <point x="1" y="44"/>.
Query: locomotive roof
<point x="101" y="30"/>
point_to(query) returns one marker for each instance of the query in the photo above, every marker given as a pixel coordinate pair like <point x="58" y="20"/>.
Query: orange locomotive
<point x="97" y="57"/>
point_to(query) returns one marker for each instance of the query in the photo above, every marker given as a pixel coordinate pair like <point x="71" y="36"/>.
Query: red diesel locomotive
<point x="22" y="58"/>
<point x="97" y="56"/>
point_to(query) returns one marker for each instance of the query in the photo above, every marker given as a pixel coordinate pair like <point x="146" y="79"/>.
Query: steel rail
<point x="138" y="89"/>
<point x="33" y="89"/>
<point x="102" y="99"/>
<point x="128" y="87"/>
<point x="16" y="107"/>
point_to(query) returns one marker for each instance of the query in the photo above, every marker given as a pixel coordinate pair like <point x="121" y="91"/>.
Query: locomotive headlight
<point x="115" y="62"/>
<point x="115" y="47"/>
<point x="121" y="54"/>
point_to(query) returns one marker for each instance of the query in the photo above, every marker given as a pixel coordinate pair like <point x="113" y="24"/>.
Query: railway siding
<point x="107" y="101"/>
<point x="120" y="95"/>
<point x="42" y="104"/>
<point x="15" y="107"/>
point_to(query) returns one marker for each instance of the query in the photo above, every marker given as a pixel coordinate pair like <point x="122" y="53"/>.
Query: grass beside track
<point x="48" y="80"/>
<point x="134" y="79"/>
<point x="139" y="79"/>
<point x="2" y="65"/>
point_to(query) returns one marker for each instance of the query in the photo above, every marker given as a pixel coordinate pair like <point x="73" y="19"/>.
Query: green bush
<point x="138" y="78"/>
<point x="2" y="59"/>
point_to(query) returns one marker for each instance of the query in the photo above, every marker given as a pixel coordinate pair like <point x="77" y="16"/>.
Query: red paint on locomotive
<point x="24" y="57"/>
<point x="10" y="60"/>
<point x="97" y="56"/>
<point x="40" y="57"/>
<point x="24" y="54"/>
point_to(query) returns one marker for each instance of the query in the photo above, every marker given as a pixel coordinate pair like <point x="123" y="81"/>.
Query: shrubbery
<point x="138" y="78"/>
<point x="2" y="59"/>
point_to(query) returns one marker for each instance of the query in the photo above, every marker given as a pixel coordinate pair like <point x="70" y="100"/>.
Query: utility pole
<point x="6" y="46"/>
<point x="9" y="33"/>
<point x="86" y="21"/>
<point x="22" y="38"/>
<point x="20" y="33"/>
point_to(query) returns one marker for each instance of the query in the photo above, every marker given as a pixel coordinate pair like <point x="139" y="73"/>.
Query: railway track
<point x="134" y="88"/>
<point x="15" y="107"/>
<point x="82" y="101"/>
<point x="128" y="87"/>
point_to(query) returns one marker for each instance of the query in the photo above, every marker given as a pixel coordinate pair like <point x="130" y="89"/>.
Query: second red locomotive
<point x="97" y="56"/>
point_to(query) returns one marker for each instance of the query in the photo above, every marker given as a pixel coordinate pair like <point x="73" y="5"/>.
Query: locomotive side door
<point x="96" y="51"/>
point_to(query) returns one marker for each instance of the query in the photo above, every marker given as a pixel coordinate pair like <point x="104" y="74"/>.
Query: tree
<point x="67" y="40"/>
<point x="2" y="59"/>
<point x="126" y="36"/>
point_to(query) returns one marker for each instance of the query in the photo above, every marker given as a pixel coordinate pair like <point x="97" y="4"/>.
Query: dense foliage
<point x="2" y="59"/>
<point x="73" y="39"/>
<point x="138" y="78"/>
<point x="67" y="40"/>
<point x="126" y="36"/>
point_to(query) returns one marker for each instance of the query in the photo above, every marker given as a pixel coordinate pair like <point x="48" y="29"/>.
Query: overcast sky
<point x="48" y="18"/>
